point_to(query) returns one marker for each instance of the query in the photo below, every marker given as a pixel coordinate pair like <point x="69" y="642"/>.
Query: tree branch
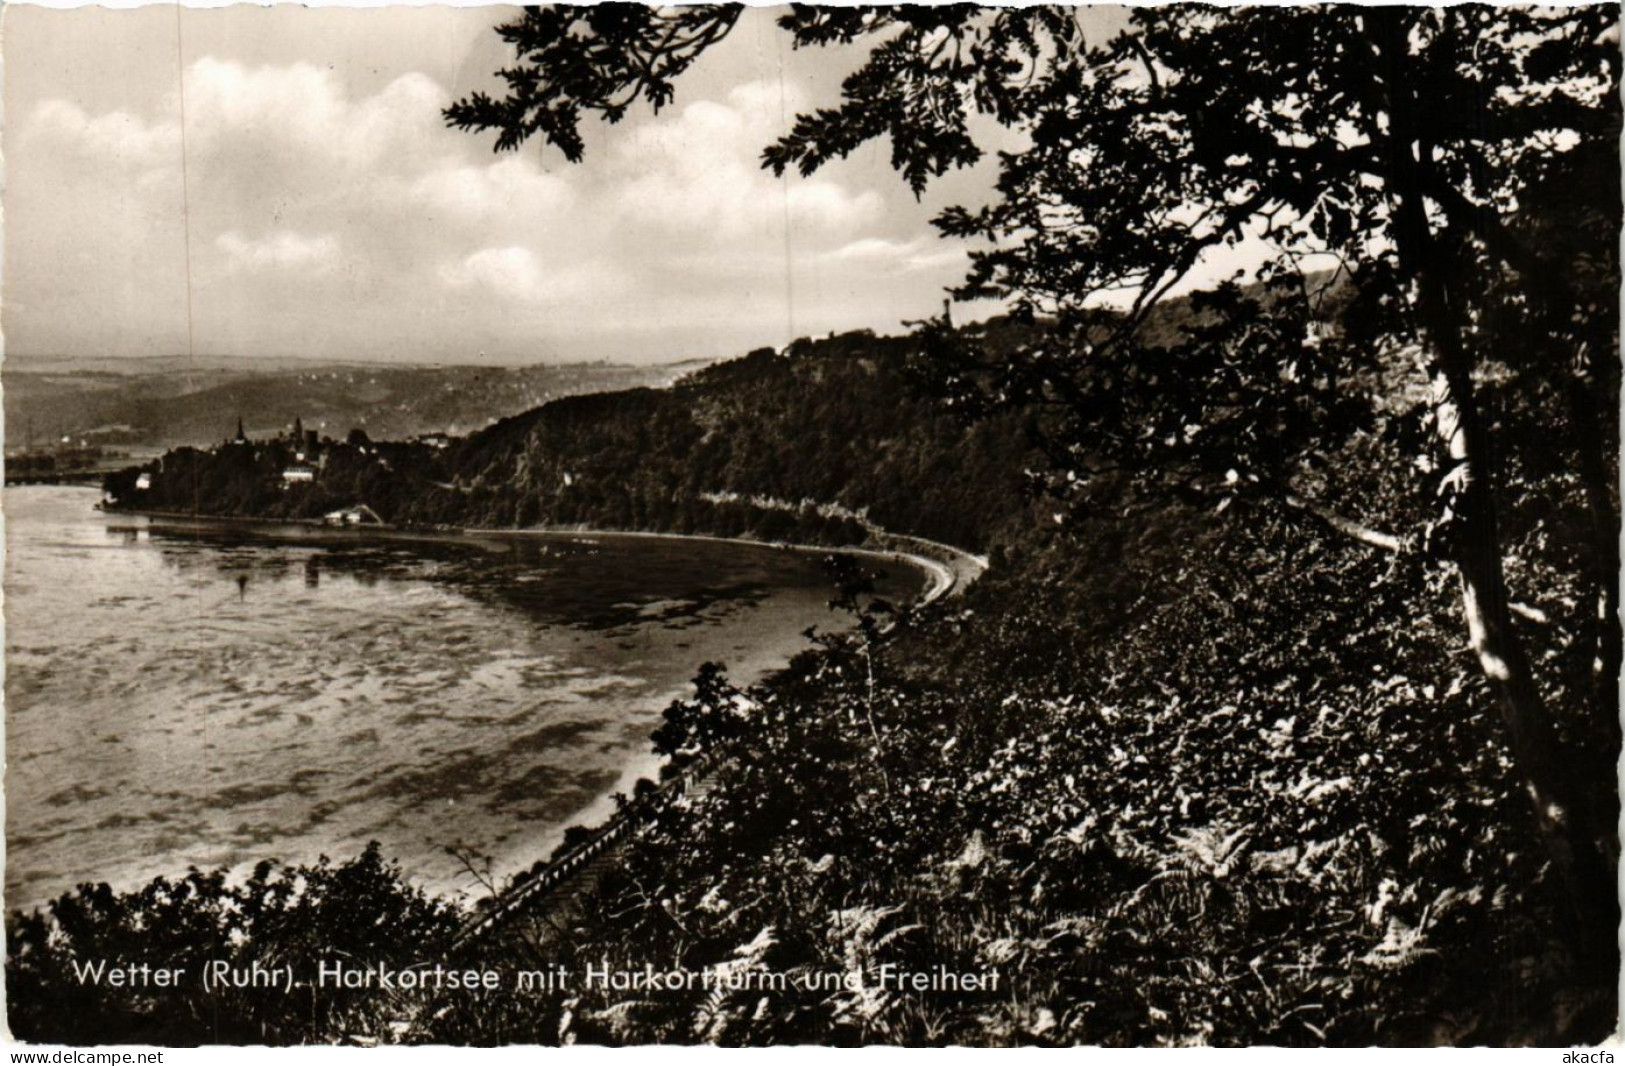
<point x="1373" y="538"/>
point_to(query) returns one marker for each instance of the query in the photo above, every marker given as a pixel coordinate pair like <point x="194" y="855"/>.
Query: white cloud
<point x="509" y="188"/>
<point x="511" y="272"/>
<point x="278" y="251"/>
<point x="328" y="219"/>
<point x="870" y="249"/>
<point x="117" y="138"/>
<point x="517" y="274"/>
<point x="826" y="206"/>
<point x="300" y="108"/>
<point x="697" y="171"/>
<point x="919" y="254"/>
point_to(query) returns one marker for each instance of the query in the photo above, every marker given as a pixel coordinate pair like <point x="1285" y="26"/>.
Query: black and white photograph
<point x="719" y="525"/>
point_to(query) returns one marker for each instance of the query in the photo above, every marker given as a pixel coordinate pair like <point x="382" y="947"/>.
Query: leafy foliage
<point x="601" y="58"/>
<point x="716" y="715"/>
<point x="359" y="911"/>
<point x="1241" y="807"/>
<point x="1407" y="145"/>
<point x="1194" y="764"/>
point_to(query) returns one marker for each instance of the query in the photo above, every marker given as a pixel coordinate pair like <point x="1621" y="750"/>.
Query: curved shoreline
<point x="944" y="576"/>
<point x="940" y="577"/>
<point x="948" y="569"/>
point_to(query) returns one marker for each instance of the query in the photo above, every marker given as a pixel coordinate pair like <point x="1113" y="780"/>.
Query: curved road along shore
<point x="950" y="570"/>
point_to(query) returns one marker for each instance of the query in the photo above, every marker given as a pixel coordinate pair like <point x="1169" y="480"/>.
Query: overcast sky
<point x="320" y="207"/>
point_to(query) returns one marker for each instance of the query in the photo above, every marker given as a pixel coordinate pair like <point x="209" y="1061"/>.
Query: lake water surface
<point x="179" y="698"/>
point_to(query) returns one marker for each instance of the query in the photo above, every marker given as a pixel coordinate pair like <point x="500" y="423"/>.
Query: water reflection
<point x="596" y="582"/>
<point x="408" y="691"/>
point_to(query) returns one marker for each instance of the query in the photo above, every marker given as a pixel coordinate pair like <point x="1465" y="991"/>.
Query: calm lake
<point x="179" y="698"/>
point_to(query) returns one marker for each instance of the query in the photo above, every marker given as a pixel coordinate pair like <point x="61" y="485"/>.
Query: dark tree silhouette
<point x="1456" y="167"/>
<point x="693" y="727"/>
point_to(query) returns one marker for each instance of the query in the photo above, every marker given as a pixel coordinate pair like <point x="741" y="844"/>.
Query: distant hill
<point x="814" y="444"/>
<point x="167" y="401"/>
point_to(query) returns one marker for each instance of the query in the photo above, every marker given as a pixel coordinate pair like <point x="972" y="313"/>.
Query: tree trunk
<point x="1608" y="645"/>
<point x="1469" y="525"/>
